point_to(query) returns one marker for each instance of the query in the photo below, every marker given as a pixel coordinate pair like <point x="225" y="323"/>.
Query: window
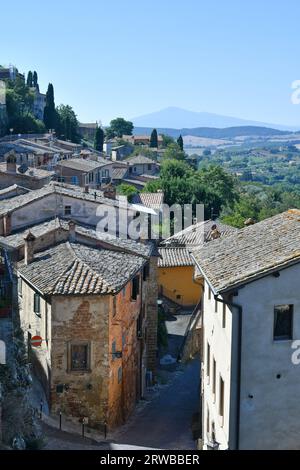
<point x="61" y="179"/>
<point x="91" y="177"/>
<point x="134" y="169"/>
<point x="214" y="377"/>
<point x="221" y="400"/>
<point x="149" y="166"/>
<point x="209" y="293"/>
<point x="68" y="210"/>
<point x="124" y="291"/>
<point x="208" y="360"/>
<point x="75" y="180"/>
<point x="79" y="357"/>
<point x="146" y="272"/>
<point x="36" y="303"/>
<point x="120" y="375"/>
<point x="224" y="316"/>
<point x="135" y="287"/>
<point x="283" y="322"/>
<point x="216" y="306"/>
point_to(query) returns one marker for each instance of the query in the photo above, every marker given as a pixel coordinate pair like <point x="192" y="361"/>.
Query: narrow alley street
<point x="165" y="423"/>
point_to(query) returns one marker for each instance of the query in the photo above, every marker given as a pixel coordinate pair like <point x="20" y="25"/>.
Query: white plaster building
<point x="251" y="317"/>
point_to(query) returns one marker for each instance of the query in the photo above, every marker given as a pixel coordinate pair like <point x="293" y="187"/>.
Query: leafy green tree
<point x="210" y="186"/>
<point x="167" y="140"/>
<point x="127" y="190"/>
<point x="180" y="142"/>
<point x="29" y="79"/>
<point x="246" y="207"/>
<point x="50" y="114"/>
<point x="99" y="139"/>
<point x="109" y="133"/>
<point x="67" y="127"/>
<point x="154" y="139"/>
<point x="221" y="187"/>
<point x="174" y="152"/>
<point x="19" y="103"/>
<point x="26" y="124"/>
<point x="119" y="127"/>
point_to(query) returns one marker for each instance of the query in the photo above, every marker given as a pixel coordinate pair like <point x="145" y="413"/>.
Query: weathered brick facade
<point x="120" y="350"/>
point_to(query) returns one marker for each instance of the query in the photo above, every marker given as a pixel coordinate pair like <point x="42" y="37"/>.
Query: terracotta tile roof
<point x="140" y="160"/>
<point x="119" y="173"/>
<point x="251" y="252"/>
<point x="153" y="200"/>
<point x="77" y="269"/>
<point x="175" y="250"/>
<point x="82" y="164"/>
<point x="198" y="233"/>
<point x="16" y="240"/>
<point x="174" y="257"/>
<point x="31" y="172"/>
<point x="61" y="189"/>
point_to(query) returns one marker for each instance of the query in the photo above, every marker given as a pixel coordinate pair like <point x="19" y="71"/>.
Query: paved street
<point x="165" y="423"/>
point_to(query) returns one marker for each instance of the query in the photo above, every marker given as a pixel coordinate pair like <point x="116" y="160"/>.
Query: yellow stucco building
<point x="176" y="277"/>
<point x="176" y="267"/>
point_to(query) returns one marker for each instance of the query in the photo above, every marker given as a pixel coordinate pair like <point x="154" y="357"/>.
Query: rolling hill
<point x="178" y="118"/>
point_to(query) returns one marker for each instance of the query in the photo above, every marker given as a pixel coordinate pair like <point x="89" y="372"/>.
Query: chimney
<point x="11" y="164"/>
<point x="29" y="248"/>
<point x="7" y="224"/>
<point x="109" y="191"/>
<point x="72" y="231"/>
<point x="249" y="221"/>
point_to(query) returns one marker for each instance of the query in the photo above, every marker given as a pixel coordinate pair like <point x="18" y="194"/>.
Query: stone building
<point x="84" y="172"/>
<point x="94" y="303"/>
<point x="60" y="200"/>
<point x="28" y="177"/>
<point x="251" y="319"/>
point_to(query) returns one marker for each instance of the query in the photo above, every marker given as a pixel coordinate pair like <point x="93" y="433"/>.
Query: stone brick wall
<point x="150" y="293"/>
<point x="125" y="386"/>
<point x="85" y="393"/>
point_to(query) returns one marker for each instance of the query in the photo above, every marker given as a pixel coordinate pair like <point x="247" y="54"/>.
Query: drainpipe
<point x="239" y="365"/>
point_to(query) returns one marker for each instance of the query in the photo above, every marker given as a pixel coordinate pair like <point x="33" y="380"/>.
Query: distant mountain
<point x="177" y="118"/>
<point x="214" y="133"/>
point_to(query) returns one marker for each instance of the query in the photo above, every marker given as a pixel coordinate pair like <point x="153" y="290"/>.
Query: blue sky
<point x="127" y="58"/>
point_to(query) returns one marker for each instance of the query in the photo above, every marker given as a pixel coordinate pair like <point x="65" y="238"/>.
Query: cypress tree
<point x="153" y="139"/>
<point x="99" y="139"/>
<point x="29" y="79"/>
<point x="180" y="142"/>
<point x="50" y="116"/>
<point x="35" y="80"/>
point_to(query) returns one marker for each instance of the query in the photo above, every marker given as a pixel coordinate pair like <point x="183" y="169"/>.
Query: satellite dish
<point x="23" y="168"/>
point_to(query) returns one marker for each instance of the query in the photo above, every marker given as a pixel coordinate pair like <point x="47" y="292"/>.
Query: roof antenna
<point x="213" y="216"/>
